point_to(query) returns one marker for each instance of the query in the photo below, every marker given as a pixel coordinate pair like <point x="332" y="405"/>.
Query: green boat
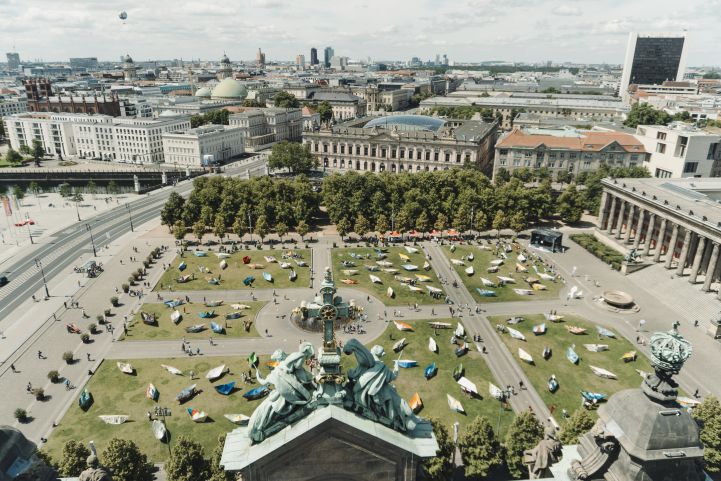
<point x="85" y="400"/>
<point x="253" y="360"/>
<point x="458" y="372"/>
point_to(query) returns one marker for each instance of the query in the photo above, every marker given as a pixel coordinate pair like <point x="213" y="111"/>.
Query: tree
<point x="25" y="149"/>
<point x="343" y="226"/>
<point x="217" y="472"/>
<point x="199" y="231"/>
<point x="302" y="229"/>
<point x="570" y="205"/>
<point x="578" y="424"/>
<point x="261" y="227"/>
<point x="219" y="227"/>
<point x="34" y="187"/>
<point x="564" y="176"/>
<point x="179" y="230"/>
<point x="77" y="197"/>
<point x="281" y="228"/>
<point x="440" y="467"/>
<point x="325" y="110"/>
<point x="382" y="223"/>
<point x="480" y="450"/>
<point x="239" y="226"/>
<point x="18" y="192"/>
<point x="646" y="114"/>
<point x="524" y="433"/>
<point x="517" y="222"/>
<point x="502" y="176"/>
<point x="113" y="188"/>
<point x="172" y="210"/>
<point x="91" y="188"/>
<point x="13" y="157"/>
<point x="500" y="222"/>
<point x="38" y="152"/>
<point x="362" y="226"/>
<point x="285" y="100"/>
<point x="295" y="157"/>
<point x="127" y="462"/>
<point x="708" y="416"/>
<point x="480" y="222"/>
<point x="73" y="460"/>
<point x="187" y="461"/>
<point x="441" y="222"/>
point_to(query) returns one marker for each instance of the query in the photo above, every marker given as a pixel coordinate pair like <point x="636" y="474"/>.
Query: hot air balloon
<point x="123" y="15"/>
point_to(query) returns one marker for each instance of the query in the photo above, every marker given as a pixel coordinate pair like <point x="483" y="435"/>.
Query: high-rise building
<point x="328" y="54"/>
<point x="300" y="61"/>
<point x="260" y="59"/>
<point x="313" y="56"/>
<point x="653" y="59"/>
<point x="13" y="60"/>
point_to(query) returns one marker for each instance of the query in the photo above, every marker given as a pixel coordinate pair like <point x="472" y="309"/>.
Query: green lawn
<point x="166" y="329"/>
<point x="232" y="277"/>
<point x="433" y="392"/>
<point x="403" y="295"/>
<point x="117" y="393"/>
<point x="572" y="378"/>
<point x="481" y="262"/>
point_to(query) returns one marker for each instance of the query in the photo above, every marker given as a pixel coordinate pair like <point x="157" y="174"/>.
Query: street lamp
<point x="39" y="265"/>
<point x="76" y="210"/>
<point x="92" y="241"/>
<point x="130" y="216"/>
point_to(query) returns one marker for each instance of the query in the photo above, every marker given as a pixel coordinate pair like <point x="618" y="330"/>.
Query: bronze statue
<point x="540" y="458"/>
<point x="95" y="472"/>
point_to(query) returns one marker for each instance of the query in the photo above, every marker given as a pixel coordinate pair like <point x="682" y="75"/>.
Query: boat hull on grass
<point x="159" y="430"/>
<point x="256" y="393"/>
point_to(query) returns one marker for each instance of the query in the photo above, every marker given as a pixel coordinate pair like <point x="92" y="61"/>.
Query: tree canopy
<point x="285" y="100"/>
<point x="13" y="157"/>
<point x="73" y="459"/>
<point x="217" y="472"/>
<point x="480" y="450"/>
<point x="440" y="467"/>
<point x="293" y="156"/>
<point x="570" y="204"/>
<point x="213" y="117"/>
<point x="708" y="417"/>
<point x="187" y="461"/>
<point x="172" y="210"/>
<point x="325" y="110"/>
<point x="127" y="462"/>
<point x="646" y="114"/>
<point x="580" y="422"/>
<point x="524" y="433"/>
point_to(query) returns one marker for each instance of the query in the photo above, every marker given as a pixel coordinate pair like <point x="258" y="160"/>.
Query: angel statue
<point x="372" y="392"/>
<point x="294" y="389"/>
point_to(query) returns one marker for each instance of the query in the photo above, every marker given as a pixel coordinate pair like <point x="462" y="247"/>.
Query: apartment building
<point x="681" y="150"/>
<point x="261" y="128"/>
<point x="201" y="146"/>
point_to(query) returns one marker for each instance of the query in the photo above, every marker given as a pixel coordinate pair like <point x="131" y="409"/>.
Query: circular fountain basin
<point x="619" y="299"/>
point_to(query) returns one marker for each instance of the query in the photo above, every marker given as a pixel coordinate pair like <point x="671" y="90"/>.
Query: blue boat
<point x="605" y="332"/>
<point x="248" y="280"/>
<point x="233" y="315"/>
<point x="410" y="267"/>
<point x="200" y="254"/>
<point x="571" y="355"/>
<point x="214" y="281"/>
<point x="217" y="328"/>
<point x="206" y="314"/>
<point x="185" y="394"/>
<point x="552" y="383"/>
<point x="85" y="400"/>
<point x="461" y="351"/>
<point x="173" y="303"/>
<point x="593" y="396"/>
<point x="430" y="370"/>
<point x="267" y="276"/>
<point x="182" y="266"/>
<point x="485" y="292"/>
<point x="256" y="393"/>
<point x="226" y="388"/>
<point x="406" y="363"/>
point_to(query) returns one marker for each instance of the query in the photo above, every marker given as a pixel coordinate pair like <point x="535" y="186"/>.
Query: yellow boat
<point x="521" y="268"/>
<point x="629" y="356"/>
<point x="423" y="278"/>
<point x="402" y="326"/>
<point x="272" y="364"/>
<point x="404" y="257"/>
<point x="415" y="403"/>
<point x="539" y="287"/>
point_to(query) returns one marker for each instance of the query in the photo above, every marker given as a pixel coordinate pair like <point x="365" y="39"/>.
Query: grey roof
<point x="407" y="122"/>
<point x="238" y="452"/>
<point x="335" y="97"/>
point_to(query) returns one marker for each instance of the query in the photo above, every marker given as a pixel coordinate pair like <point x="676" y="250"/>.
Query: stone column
<point x="711" y="268"/>
<point x="629" y="223"/>
<point x="659" y="241"/>
<point x="611" y="215"/>
<point x="603" y="212"/>
<point x="639" y="228"/>
<point x="671" y="246"/>
<point x="649" y="234"/>
<point x="619" y="221"/>
<point x="697" y="260"/>
<point x="684" y="253"/>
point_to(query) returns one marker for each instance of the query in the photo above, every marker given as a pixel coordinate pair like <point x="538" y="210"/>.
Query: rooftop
<point x="406" y="122"/>
<point x="582" y="140"/>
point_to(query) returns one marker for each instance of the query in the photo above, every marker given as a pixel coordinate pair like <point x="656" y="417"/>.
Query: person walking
<point x="40" y="354"/>
<point x="12" y="368"/>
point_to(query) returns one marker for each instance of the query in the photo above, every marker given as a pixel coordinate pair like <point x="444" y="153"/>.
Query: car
<point x="24" y="223"/>
<point x="3" y="280"/>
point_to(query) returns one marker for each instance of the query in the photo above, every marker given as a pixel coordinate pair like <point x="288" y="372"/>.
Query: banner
<point x="6" y="206"/>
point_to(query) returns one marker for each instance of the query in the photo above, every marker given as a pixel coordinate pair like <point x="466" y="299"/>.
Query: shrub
<point x="21" y="415"/>
<point x="597" y="248"/>
<point x="106" y="312"/>
<point x="68" y="357"/>
<point x="91" y="327"/>
<point x="126" y="288"/>
<point x="39" y="393"/>
<point x="146" y="263"/>
<point x="100" y="318"/>
<point x="114" y="301"/>
<point x="54" y="376"/>
<point x="85" y="337"/>
<point x="134" y="276"/>
<point x="140" y="273"/>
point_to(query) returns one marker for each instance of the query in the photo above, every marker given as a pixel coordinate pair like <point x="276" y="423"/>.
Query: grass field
<point x="403" y="295"/>
<point x="232" y="277"/>
<point x="166" y="329"/>
<point x="572" y="378"/>
<point x="117" y="393"/>
<point x="482" y="260"/>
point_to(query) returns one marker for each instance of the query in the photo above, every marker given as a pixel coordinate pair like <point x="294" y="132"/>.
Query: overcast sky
<point x="590" y="31"/>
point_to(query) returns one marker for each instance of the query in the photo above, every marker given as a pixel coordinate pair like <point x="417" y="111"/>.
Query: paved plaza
<point x="35" y="337"/>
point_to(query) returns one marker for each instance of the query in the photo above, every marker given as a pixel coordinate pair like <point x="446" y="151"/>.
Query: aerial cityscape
<point x="311" y="241"/>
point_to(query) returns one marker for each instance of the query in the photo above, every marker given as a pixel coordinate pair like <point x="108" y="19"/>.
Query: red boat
<point x="246" y="260"/>
<point x="73" y="328"/>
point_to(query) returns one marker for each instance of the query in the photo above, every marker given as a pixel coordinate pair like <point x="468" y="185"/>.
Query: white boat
<point x="506" y="280"/>
<point x="270" y="259"/>
<point x="350" y="272"/>
<point x="222" y="255"/>
<point x="546" y="277"/>
<point x="114" y="418"/>
<point x="159" y="430"/>
<point x="495" y="391"/>
<point x="390" y="270"/>
<point x="454" y="404"/>
<point x="375" y="279"/>
<point x="687" y="402"/>
<point x="439" y="325"/>
<point x="434" y="290"/>
<point x="525" y="356"/>
<point x="642" y="373"/>
<point x="523" y="292"/>
<point x="467" y="385"/>
<point x="285" y="265"/>
<point x="432" y="345"/>
<point x="411" y="250"/>
<point x="239" y="307"/>
<point x="600" y="372"/>
<point x="172" y="370"/>
<point x="176" y="316"/>
<point x="460" y="330"/>
<point x="458" y="262"/>
<point x="487" y="282"/>
<point x="553" y="317"/>
<point x="521" y="258"/>
<point x="516" y="334"/>
<point x="470" y="257"/>
<point x="414" y="288"/>
<point x="423" y="278"/>
<point x="426" y="266"/>
<point x="223" y="264"/>
<point x="398" y="346"/>
<point x="596" y="347"/>
<point x="469" y="270"/>
<point x="216" y="372"/>
<point x="197" y="416"/>
<point x="240" y="419"/>
<point x="384" y="263"/>
<point x="497" y="262"/>
<point x="389" y="292"/>
<point x="125" y="367"/>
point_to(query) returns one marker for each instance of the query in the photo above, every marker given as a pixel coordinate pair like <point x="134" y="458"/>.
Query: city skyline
<point x="477" y="30"/>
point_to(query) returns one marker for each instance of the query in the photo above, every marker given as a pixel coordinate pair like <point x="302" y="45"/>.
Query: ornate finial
<point x="669" y="350"/>
<point x="328" y="277"/>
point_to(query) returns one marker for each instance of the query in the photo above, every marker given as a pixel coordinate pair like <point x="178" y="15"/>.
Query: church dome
<point x="229" y="89"/>
<point x="128" y="58"/>
<point x="203" y="92"/>
<point x="225" y="60"/>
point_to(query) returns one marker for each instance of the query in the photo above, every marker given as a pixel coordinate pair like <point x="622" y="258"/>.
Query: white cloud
<point x="566" y="10"/>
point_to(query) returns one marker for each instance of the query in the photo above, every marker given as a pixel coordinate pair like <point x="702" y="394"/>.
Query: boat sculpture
<point x="605" y="332"/>
<point x="292" y="275"/>
<point x="350" y="272"/>
<point x="223" y="264"/>
<point x="414" y="288"/>
<point x="629" y="356"/>
<point x="539" y="329"/>
<point x="226" y="388"/>
<point x="270" y="259"/>
<point x="576" y="330"/>
<point x="267" y="276"/>
<point x="470" y="257"/>
<point x="593" y="396"/>
<point x="151" y="392"/>
<point x="434" y="290"/>
<point x="430" y="370"/>
<point x="525" y="356"/>
<point x="125" y="367"/>
<point x="172" y="370"/>
<point x="176" y="316"/>
<point x="458" y="372"/>
<point x="239" y="419"/>
<point x="186" y="394"/>
<point x="398" y="346"/>
<point x="553" y="317"/>
<point x="406" y="363"/>
<point x="469" y="270"/>
<point x="600" y="372"/>
<point x="215" y="303"/>
<point x="390" y="293"/>
<point x="85" y="400"/>
<point x="516" y="334"/>
<point x="571" y="355"/>
<point x="410" y="267"/>
<point x="432" y="345"/>
<point x="514" y="320"/>
<point x="197" y="416"/>
<point x="182" y="266"/>
<point x="113" y="418"/>
<point x="487" y="282"/>
<point x="233" y="315"/>
<point x="195" y="328"/>
<point x="217" y="328"/>
<point x="404" y="257"/>
<point x="439" y="325"/>
<point x="523" y="292"/>
<point x="547" y="353"/>
<point x="426" y="266"/>
<point x="173" y="303"/>
<point x="423" y="278"/>
<point x="159" y="430"/>
<point x="596" y="347"/>
<point x="182" y="279"/>
<point x="285" y="265"/>
<point x="222" y="255"/>
<point x="415" y="403"/>
<point x="495" y="392"/>
<point x="206" y="314"/>
<point x="506" y="280"/>
<point x="485" y="292"/>
<point x="402" y="326"/>
<point x="375" y="279"/>
<point x="552" y="383"/>
<point x="454" y="404"/>
<point x="256" y="393"/>
<point x="216" y="372"/>
<point x="467" y="386"/>
<point x="462" y="350"/>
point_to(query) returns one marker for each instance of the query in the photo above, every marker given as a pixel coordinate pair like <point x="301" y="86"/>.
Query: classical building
<point x="226" y="70"/>
<point x="311" y="119"/>
<point x="201" y="146"/>
<point x="261" y="128"/>
<point x="376" y="98"/>
<point x="41" y="99"/>
<point x="681" y="150"/>
<point x="567" y="149"/>
<point x="399" y="143"/>
<point x="260" y="59"/>
<point x="677" y="222"/>
<point x="130" y="71"/>
<point x="230" y="89"/>
<point x="345" y="105"/>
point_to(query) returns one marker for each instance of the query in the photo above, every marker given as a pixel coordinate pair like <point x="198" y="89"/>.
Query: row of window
<point x="399" y="153"/>
<point x="373" y="167"/>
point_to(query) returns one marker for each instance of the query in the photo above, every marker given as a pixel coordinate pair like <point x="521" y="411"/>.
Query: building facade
<point x="87" y="63"/>
<point x="313" y="56"/>
<point x="403" y="143"/>
<point x="569" y="150"/>
<point x="345" y="105"/>
<point x="328" y="53"/>
<point x="677" y="222"/>
<point x="300" y="61"/>
<point x="261" y="128"/>
<point x="41" y="99"/>
<point x="681" y="150"/>
<point x="53" y="131"/>
<point x="391" y="100"/>
<point x="201" y="146"/>
<point x="653" y="59"/>
<point x="12" y="104"/>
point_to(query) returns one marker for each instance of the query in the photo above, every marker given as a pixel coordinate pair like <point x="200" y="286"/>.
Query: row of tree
<point x="15" y="157"/>
<point x="219" y="117"/>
